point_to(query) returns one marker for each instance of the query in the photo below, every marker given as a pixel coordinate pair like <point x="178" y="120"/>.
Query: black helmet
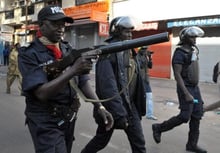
<point x="187" y="32"/>
<point x="119" y="23"/>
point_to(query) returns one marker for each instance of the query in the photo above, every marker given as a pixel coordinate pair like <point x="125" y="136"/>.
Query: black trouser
<point x="193" y="135"/>
<point x="6" y="60"/>
<point x="134" y="133"/>
<point x="191" y="112"/>
<point x="47" y="136"/>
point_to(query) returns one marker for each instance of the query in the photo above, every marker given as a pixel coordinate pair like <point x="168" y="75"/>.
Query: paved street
<point x="15" y="138"/>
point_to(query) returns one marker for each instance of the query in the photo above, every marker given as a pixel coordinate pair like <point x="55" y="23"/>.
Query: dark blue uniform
<point x="186" y="71"/>
<point x="111" y="78"/>
<point x="48" y="131"/>
<point x="190" y="78"/>
<point x="190" y="111"/>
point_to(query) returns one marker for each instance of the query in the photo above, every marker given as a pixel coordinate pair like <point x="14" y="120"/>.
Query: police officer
<point x="186" y="72"/>
<point x="113" y="74"/>
<point x="51" y="102"/>
<point x="13" y="71"/>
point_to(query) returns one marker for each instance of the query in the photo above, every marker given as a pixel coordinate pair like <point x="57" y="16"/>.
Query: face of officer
<point x="53" y="30"/>
<point x="190" y="41"/>
<point x="126" y="34"/>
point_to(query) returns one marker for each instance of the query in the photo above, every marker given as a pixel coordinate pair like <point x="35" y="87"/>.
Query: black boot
<point x="165" y="126"/>
<point x="194" y="137"/>
<point x="195" y="149"/>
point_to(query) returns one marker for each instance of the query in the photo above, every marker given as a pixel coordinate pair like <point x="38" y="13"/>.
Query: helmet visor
<point x="194" y="32"/>
<point x="125" y="22"/>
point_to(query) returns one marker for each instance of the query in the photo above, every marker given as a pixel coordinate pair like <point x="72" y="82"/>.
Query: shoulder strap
<point x="75" y="87"/>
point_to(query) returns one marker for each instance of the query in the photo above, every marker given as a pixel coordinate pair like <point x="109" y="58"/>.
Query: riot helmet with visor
<point x="118" y="23"/>
<point x="189" y="32"/>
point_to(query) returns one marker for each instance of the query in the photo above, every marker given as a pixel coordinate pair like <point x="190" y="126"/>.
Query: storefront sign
<point x="87" y="10"/>
<point x="103" y="29"/>
<point x="198" y="22"/>
<point x="146" y="26"/>
<point x="151" y="25"/>
<point x="31" y="27"/>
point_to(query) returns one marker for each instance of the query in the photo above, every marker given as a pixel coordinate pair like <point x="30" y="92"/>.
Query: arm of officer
<point x="89" y="93"/>
<point x="81" y="66"/>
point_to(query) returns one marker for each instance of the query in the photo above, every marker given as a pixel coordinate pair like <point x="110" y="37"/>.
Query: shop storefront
<point x="171" y="19"/>
<point x="91" y="24"/>
<point x="209" y="45"/>
<point x="162" y="51"/>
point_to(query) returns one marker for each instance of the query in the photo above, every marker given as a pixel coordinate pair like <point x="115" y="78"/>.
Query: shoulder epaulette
<point x="26" y="45"/>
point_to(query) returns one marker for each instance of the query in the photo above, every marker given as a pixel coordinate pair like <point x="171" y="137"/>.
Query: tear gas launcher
<point x="58" y="66"/>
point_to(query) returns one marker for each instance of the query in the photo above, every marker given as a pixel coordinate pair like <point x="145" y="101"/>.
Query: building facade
<point x="173" y="15"/>
<point x="18" y="20"/>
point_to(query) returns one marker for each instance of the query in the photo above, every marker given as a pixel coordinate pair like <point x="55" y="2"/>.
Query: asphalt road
<point x="15" y="137"/>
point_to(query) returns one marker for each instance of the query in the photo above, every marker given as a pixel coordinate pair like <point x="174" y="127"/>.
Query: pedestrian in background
<point x="6" y="53"/>
<point x="186" y="72"/>
<point x="145" y="59"/>
<point x="1" y="53"/>
<point x="113" y="74"/>
<point x="51" y="100"/>
<point x="13" y="71"/>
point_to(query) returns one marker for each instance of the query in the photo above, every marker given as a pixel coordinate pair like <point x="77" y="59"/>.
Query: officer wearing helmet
<point x="118" y="74"/>
<point x="187" y="33"/>
<point x="186" y="72"/>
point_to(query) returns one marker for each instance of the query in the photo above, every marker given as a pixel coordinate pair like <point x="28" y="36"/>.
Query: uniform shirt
<point x="31" y="62"/>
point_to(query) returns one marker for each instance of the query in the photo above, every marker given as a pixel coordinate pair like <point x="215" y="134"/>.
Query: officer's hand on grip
<point x="83" y="65"/>
<point x="107" y="117"/>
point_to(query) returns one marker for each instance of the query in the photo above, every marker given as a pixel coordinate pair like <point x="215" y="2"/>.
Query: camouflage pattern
<point x="13" y="71"/>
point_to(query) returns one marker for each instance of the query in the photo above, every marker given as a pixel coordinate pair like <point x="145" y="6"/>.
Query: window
<point x="54" y="2"/>
<point x="30" y="10"/>
<point x="9" y="14"/>
<point x="21" y="3"/>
